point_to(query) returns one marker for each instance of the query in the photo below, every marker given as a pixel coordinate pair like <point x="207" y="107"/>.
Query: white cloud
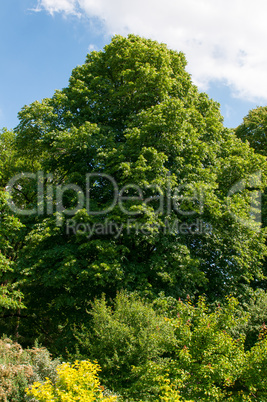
<point x="92" y="47"/>
<point x="224" y="40"/>
<point x="57" y="6"/>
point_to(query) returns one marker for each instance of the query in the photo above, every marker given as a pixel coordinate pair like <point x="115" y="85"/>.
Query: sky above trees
<point x="224" y="43"/>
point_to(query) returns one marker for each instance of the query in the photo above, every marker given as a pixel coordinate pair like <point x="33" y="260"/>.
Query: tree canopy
<point x="254" y="129"/>
<point x="140" y="187"/>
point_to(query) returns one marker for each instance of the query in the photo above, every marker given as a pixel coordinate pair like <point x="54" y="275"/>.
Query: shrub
<point x="209" y="363"/>
<point x="130" y="333"/>
<point x="19" y="368"/>
<point x="189" y="351"/>
<point x="74" y="382"/>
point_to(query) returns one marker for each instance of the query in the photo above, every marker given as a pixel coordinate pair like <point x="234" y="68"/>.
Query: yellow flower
<point x="75" y="382"/>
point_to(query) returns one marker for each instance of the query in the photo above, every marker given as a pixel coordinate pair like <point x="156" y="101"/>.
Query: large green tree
<point x="131" y="116"/>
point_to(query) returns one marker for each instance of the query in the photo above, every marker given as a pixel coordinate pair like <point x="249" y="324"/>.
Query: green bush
<point x="130" y="333"/>
<point x="142" y="347"/>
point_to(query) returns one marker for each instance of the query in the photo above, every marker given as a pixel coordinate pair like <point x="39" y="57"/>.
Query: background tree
<point x="10" y="243"/>
<point x="254" y="130"/>
<point x="13" y="228"/>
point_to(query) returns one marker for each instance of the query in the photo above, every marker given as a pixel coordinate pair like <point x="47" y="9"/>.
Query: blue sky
<point x="224" y="42"/>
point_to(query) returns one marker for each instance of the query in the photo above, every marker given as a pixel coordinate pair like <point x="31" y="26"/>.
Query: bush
<point x="74" y="382"/>
<point x="130" y="333"/>
<point x="209" y="363"/>
<point x="185" y="349"/>
<point x="19" y="368"/>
